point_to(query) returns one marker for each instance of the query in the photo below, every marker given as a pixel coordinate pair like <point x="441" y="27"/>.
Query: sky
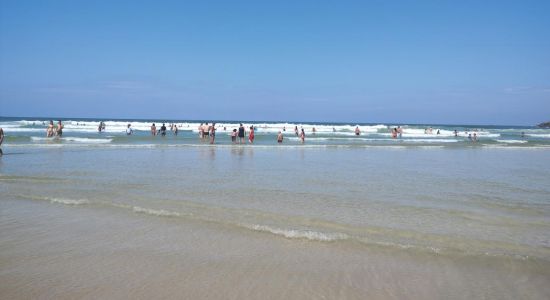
<point x="439" y="62"/>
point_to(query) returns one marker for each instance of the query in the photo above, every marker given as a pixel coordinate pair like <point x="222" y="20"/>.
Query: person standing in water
<point x="212" y="133"/>
<point x="153" y="130"/>
<point x="241" y="134"/>
<point x="50" y="130"/>
<point x="1" y="140"/>
<point x="129" y="130"/>
<point x="296" y="130"/>
<point x="201" y="132"/>
<point x="357" y="131"/>
<point x="163" y="130"/>
<point x="175" y="129"/>
<point x="279" y="138"/>
<point x="59" y="129"/>
<point x="303" y="136"/>
<point x="313" y="130"/>
<point x="400" y="131"/>
<point x="251" y="135"/>
<point x="234" y="136"/>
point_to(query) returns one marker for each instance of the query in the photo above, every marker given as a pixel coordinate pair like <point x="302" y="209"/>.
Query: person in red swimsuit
<point x="251" y="135"/>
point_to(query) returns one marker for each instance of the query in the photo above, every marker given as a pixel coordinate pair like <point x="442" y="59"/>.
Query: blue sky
<point x="465" y="62"/>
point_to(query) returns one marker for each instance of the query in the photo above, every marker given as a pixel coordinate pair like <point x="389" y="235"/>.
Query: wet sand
<point x="56" y="251"/>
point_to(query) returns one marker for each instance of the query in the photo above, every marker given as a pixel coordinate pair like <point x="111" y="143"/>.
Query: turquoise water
<point x="32" y="132"/>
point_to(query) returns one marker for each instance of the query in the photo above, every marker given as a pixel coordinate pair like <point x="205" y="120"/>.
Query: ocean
<point x="341" y="216"/>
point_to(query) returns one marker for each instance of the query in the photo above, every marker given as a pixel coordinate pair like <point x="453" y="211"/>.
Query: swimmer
<point x="234" y="136"/>
<point x="357" y="131"/>
<point x="59" y="128"/>
<point x="163" y="130"/>
<point x="129" y="130"/>
<point x="241" y="134"/>
<point x="303" y="136"/>
<point x="153" y="129"/>
<point x="50" y="130"/>
<point x="1" y="140"/>
<point x="280" y="137"/>
<point x="212" y="133"/>
<point x="251" y="135"/>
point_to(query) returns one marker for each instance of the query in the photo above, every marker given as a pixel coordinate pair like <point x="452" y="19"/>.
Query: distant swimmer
<point x="163" y="130"/>
<point x="100" y="127"/>
<point x="284" y="128"/>
<point x="176" y="129"/>
<point x="59" y="129"/>
<point x="212" y="133"/>
<point x="50" y="130"/>
<point x="153" y="129"/>
<point x="313" y="130"/>
<point x="430" y="130"/>
<point x="241" y="134"/>
<point x="438" y="131"/>
<point x="280" y="137"/>
<point x="394" y="133"/>
<point x="333" y="129"/>
<point x="303" y="136"/>
<point x="251" y="135"/>
<point x="296" y="130"/>
<point x="1" y="140"/>
<point x="475" y="137"/>
<point x="129" y="130"/>
<point x="523" y="134"/>
<point x="456" y="133"/>
<point x="234" y="136"/>
<point x="400" y="131"/>
<point x="357" y="131"/>
<point x="470" y="136"/>
<point x="201" y="132"/>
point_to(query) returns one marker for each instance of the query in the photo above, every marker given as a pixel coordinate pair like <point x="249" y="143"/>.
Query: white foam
<point x="512" y="141"/>
<point x="155" y="212"/>
<point x="539" y="135"/>
<point x="68" y="201"/>
<point x="73" y="139"/>
<point x="299" y="234"/>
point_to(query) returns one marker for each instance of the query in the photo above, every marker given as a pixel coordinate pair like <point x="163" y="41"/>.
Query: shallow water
<point x="305" y="222"/>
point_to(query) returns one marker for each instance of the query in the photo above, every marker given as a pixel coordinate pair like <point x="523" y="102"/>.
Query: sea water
<point x="147" y="217"/>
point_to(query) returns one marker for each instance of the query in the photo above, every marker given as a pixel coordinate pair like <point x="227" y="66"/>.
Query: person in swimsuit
<point x="280" y="138"/>
<point x="357" y="131"/>
<point x="303" y="136"/>
<point x="163" y="130"/>
<point x="251" y="135"/>
<point x="241" y="134"/>
<point x="1" y="140"/>
<point x="296" y="130"/>
<point x="59" y="128"/>
<point x="313" y="130"/>
<point x="50" y="130"/>
<point x="200" y="132"/>
<point x="212" y="133"/>
<point x="153" y="130"/>
<point x="176" y="129"/>
<point x="400" y="131"/>
<point x="234" y="136"/>
<point x="205" y="130"/>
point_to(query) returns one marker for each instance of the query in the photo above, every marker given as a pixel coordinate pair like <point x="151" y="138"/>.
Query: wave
<point x="512" y="141"/>
<point x="72" y="139"/>
<point x="539" y="135"/>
